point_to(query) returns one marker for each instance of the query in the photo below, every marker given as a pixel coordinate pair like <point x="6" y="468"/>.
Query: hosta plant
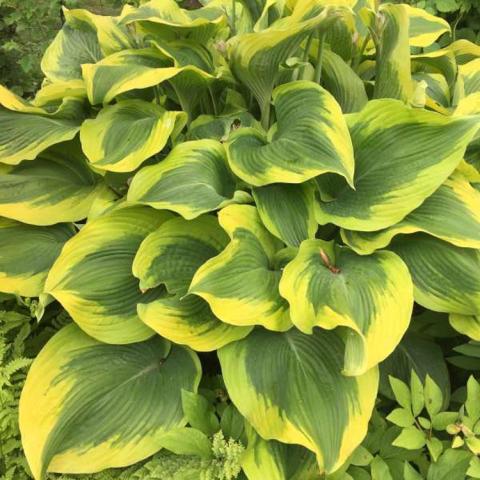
<point x="261" y="189"/>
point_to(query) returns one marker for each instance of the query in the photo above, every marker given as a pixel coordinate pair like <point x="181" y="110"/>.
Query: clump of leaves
<point x="262" y="190"/>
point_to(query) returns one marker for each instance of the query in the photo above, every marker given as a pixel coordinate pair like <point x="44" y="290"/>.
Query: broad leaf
<point x="126" y="134"/>
<point x="402" y="156"/>
<point x="325" y="287"/>
<point x="424" y="28"/>
<point x="317" y="407"/>
<point x="87" y="406"/>
<point x="241" y="283"/>
<point x="57" y="187"/>
<point x="26" y="130"/>
<point x="193" y="179"/>
<point x="27" y="254"/>
<point x="310" y="138"/>
<point x="468" y="325"/>
<point x="445" y="277"/>
<point x="93" y="280"/>
<point x="452" y="213"/>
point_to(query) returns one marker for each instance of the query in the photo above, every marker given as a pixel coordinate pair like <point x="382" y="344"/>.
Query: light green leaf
<point x="401" y="417"/>
<point x="193" y="179"/>
<point x="410" y="473"/>
<point x="187" y="441"/>
<point x="379" y="469"/>
<point x="361" y="457"/>
<point x="435" y="448"/>
<point x="442" y="419"/>
<point x="445" y="277"/>
<point x="93" y="280"/>
<point x="126" y="134"/>
<point x="310" y="138"/>
<point x="433" y="397"/>
<point x="394" y="174"/>
<point x="57" y="187"/>
<point x="411" y="438"/>
<point x="325" y="287"/>
<point x="416" y="390"/>
<point x="200" y="413"/>
<point x="288" y="211"/>
<point x="468" y="325"/>
<point x="452" y="213"/>
<point x="472" y="403"/>
<point x="401" y="392"/>
<point x="87" y="406"/>
<point x="241" y="283"/>
<point x="26" y="130"/>
<point x="27" y="254"/>
<point x="318" y="407"/>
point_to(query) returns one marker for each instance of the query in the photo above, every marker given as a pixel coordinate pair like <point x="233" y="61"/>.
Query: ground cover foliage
<point x="250" y="232"/>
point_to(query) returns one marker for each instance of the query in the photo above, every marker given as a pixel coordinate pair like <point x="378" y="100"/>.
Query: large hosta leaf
<point x="241" y="283"/>
<point x="126" y="134"/>
<point x="193" y="179"/>
<point x="470" y="77"/>
<point x="93" y="277"/>
<point x="170" y="256"/>
<point x="452" y="213"/>
<point x="255" y="58"/>
<point x="311" y="138"/>
<point x="71" y="48"/>
<point x="402" y="155"/>
<point x="87" y="406"/>
<point x="466" y="324"/>
<point x="27" y="253"/>
<point x="325" y="287"/>
<point x="393" y="78"/>
<point x="57" y="187"/>
<point x="424" y="28"/>
<point x="288" y="211"/>
<point x="317" y="406"/>
<point x="26" y="130"/>
<point x="445" y="277"/>
<point x="165" y="18"/>
<point x="137" y="69"/>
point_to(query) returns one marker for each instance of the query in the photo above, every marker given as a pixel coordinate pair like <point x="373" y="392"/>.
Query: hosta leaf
<point x="87" y="406"/>
<point x="255" y="58"/>
<point x="193" y="179"/>
<point x="465" y="51"/>
<point x="277" y="461"/>
<point x="452" y="214"/>
<point x="166" y="19"/>
<point x="27" y="253"/>
<point x="445" y="277"/>
<point x="424" y="28"/>
<point x="52" y="93"/>
<point x="311" y="138"/>
<point x="93" y="279"/>
<point x="317" y="407"/>
<point x="288" y="211"/>
<point x="241" y="283"/>
<point x="440" y="61"/>
<point x="468" y="325"/>
<point x="71" y="48"/>
<point x="325" y="287"/>
<point x="470" y="74"/>
<point x="402" y="155"/>
<point x="126" y="134"/>
<point x="170" y="256"/>
<point x="135" y="69"/>
<point x="57" y="187"/>
<point x="112" y="36"/>
<point x="26" y="130"/>
<point x="393" y="78"/>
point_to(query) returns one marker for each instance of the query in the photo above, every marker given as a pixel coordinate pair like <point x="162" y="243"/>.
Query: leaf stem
<point x="265" y="111"/>
<point x="306" y="53"/>
<point x="318" y="67"/>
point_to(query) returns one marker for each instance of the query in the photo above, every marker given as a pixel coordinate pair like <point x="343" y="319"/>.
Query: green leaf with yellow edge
<point x="393" y="78"/>
<point x="57" y="187"/>
<point x="287" y="211"/>
<point x="241" y="283"/>
<point x="93" y="280"/>
<point x="87" y="406"/>
<point x="325" y="287"/>
<point x="27" y="130"/>
<point x="310" y="138"/>
<point x="51" y="93"/>
<point x="445" y="277"/>
<point x="424" y="28"/>
<point x="170" y="256"/>
<point x="470" y="77"/>
<point x="167" y="20"/>
<point x="402" y="155"/>
<point x="126" y="134"/>
<point x="318" y="407"/>
<point x="468" y="325"/>
<point x="438" y="61"/>
<point x="277" y="461"/>
<point x="452" y="213"/>
<point x="27" y="254"/>
<point x="193" y="179"/>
